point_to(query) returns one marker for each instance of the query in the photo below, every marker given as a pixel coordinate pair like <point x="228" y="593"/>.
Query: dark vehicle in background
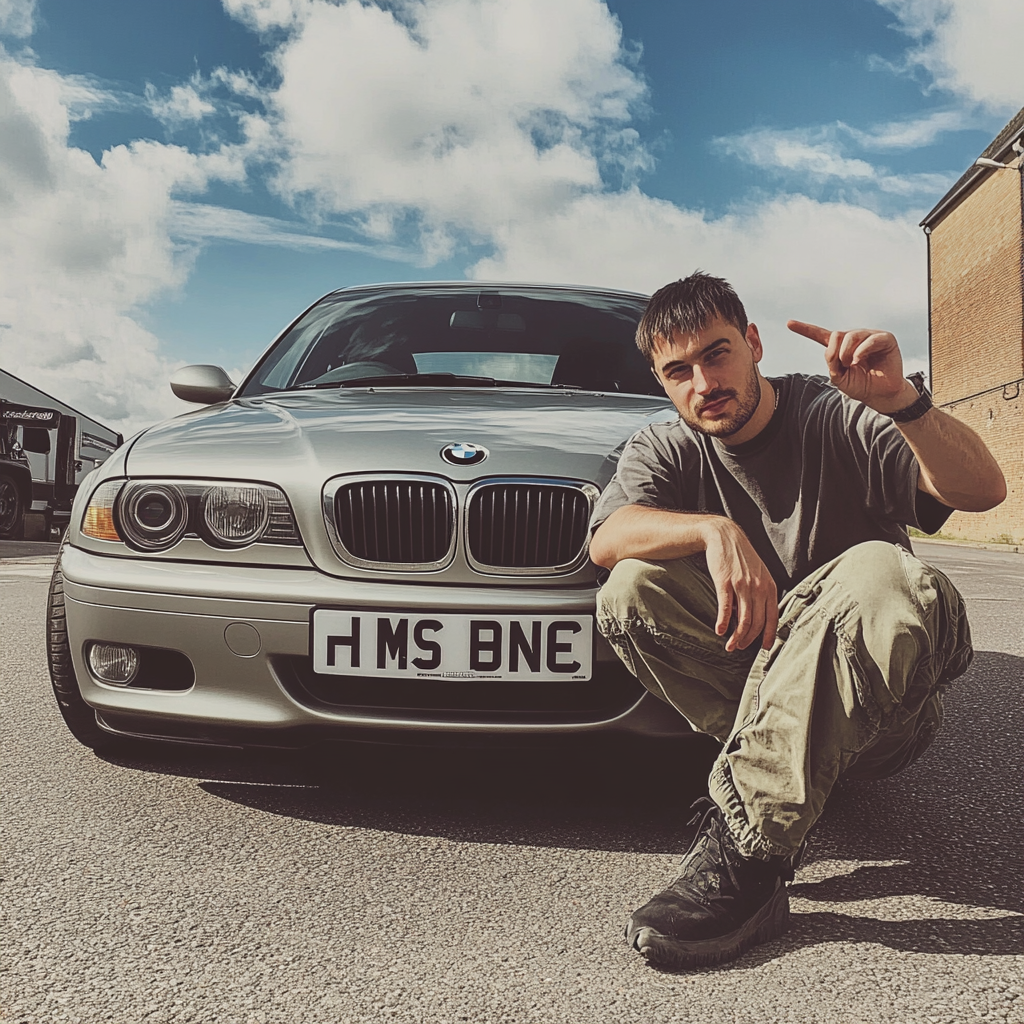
<point x="381" y="533"/>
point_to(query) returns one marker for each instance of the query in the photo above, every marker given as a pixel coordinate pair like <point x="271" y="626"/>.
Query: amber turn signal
<point x="98" y="521"/>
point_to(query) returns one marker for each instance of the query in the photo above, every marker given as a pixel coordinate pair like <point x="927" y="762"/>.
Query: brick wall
<point x="977" y="332"/>
<point x="1001" y="425"/>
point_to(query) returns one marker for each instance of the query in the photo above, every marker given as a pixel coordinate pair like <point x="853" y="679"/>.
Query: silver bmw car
<point x="381" y="533"/>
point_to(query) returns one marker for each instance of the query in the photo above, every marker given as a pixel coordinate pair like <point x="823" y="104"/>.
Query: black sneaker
<point x="722" y="904"/>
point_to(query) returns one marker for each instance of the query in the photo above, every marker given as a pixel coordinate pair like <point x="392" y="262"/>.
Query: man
<point x="788" y="488"/>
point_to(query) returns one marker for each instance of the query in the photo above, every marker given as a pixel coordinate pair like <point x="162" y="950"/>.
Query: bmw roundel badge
<point x="459" y="454"/>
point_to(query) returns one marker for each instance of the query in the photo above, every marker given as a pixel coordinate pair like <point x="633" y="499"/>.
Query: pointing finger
<point x="812" y="331"/>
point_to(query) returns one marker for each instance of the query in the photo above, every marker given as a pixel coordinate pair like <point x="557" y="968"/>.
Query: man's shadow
<point x="948" y="829"/>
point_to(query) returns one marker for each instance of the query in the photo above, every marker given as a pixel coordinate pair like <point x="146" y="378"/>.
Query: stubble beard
<point x="747" y="401"/>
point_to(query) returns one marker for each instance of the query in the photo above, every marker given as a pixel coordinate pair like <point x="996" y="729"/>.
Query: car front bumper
<point x="268" y="695"/>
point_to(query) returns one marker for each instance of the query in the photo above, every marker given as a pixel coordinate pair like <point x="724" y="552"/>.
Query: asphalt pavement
<point x="424" y="885"/>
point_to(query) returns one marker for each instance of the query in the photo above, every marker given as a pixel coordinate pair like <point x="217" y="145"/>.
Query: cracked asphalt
<point x="425" y="885"/>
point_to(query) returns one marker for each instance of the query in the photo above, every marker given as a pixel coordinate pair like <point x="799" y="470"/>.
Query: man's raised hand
<point x="864" y="364"/>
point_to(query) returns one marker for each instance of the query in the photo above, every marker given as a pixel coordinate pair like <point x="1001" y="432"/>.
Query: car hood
<point x="299" y="440"/>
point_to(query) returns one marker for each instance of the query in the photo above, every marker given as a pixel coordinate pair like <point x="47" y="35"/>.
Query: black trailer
<point x="45" y="450"/>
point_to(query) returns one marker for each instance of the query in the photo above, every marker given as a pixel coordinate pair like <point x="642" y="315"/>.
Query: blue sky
<point x="180" y="180"/>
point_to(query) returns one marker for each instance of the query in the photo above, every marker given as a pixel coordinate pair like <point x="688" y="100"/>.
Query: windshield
<point x="472" y="337"/>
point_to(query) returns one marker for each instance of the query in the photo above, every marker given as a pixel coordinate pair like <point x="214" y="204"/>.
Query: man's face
<point x="711" y="376"/>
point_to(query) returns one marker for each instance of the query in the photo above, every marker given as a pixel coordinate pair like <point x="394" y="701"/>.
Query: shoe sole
<point x="771" y="921"/>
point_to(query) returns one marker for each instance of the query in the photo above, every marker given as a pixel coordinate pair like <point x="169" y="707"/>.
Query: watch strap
<point x="914" y="411"/>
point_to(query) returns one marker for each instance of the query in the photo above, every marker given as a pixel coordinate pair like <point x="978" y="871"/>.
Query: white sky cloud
<point x="197" y="222"/>
<point x="264" y="15"/>
<point x="971" y="47"/>
<point x="829" y="263"/>
<point x="241" y="83"/>
<point x="16" y="17"/>
<point x="910" y="133"/>
<point x="811" y="151"/>
<point x="84" y="245"/>
<point x="461" y="114"/>
<point x="182" y="104"/>
<point x="818" y="154"/>
<point x="418" y="127"/>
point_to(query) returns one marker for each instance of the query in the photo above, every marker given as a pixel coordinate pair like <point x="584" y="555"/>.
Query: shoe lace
<point x="715" y="832"/>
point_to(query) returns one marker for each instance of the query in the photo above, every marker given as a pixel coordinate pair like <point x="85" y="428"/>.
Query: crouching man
<point x="762" y="583"/>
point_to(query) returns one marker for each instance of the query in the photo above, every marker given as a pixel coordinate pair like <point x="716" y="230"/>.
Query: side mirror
<point x="202" y="384"/>
<point x="35" y="439"/>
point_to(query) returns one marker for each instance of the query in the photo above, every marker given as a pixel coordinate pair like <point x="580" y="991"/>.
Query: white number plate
<point x="416" y="646"/>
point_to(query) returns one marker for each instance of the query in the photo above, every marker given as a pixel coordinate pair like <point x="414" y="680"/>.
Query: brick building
<point x="976" y="319"/>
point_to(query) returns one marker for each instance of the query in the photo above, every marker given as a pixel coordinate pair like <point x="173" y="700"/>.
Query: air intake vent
<point x="395" y="523"/>
<point x="518" y="527"/>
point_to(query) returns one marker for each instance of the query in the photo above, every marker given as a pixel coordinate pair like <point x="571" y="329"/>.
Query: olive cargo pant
<point x="851" y="685"/>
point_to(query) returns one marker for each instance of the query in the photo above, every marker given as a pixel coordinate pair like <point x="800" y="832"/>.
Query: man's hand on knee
<point x="745" y="588"/>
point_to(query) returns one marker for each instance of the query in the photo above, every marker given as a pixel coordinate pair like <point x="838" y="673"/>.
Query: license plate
<point x="505" y="647"/>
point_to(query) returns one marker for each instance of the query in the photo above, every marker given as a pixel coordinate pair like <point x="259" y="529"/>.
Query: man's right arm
<point x="742" y="581"/>
<point x="639" y="531"/>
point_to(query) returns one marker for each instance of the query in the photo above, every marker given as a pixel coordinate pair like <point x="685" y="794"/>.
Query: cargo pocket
<point x="794" y="605"/>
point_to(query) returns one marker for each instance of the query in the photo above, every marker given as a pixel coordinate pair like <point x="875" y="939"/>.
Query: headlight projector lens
<point x="114" y="663"/>
<point x="153" y="516"/>
<point x="235" y="515"/>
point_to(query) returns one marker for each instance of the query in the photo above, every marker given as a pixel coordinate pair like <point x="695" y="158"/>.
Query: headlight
<point x="235" y="516"/>
<point x="154" y="515"/>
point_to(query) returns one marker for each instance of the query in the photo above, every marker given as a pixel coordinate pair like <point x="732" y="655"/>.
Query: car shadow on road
<point x="946" y="830"/>
<point x="611" y="798"/>
<point x="582" y="795"/>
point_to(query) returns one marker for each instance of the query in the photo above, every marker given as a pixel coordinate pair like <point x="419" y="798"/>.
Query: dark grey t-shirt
<point x="826" y="473"/>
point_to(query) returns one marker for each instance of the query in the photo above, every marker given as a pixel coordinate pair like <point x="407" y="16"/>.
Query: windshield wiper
<point x="431" y="380"/>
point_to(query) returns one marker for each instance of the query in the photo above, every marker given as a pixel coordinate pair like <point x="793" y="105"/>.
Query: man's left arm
<point x="956" y="467"/>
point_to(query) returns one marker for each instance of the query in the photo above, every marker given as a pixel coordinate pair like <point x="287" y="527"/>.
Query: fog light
<point x="114" y="663"/>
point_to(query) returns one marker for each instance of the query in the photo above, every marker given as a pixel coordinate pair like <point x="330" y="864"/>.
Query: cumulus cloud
<point x="448" y="117"/>
<point x="829" y="263"/>
<point x="17" y="17"/>
<point x="971" y="47"/>
<point x="498" y="123"/>
<point x="419" y="129"/>
<point x="86" y="244"/>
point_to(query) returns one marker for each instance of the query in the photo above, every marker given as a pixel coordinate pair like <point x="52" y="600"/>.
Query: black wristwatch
<point x="917" y="409"/>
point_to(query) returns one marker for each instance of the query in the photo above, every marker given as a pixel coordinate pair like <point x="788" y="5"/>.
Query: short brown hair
<point x="687" y="305"/>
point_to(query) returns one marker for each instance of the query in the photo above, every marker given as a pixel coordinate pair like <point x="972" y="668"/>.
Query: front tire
<point x="12" y="514"/>
<point x="78" y="716"/>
